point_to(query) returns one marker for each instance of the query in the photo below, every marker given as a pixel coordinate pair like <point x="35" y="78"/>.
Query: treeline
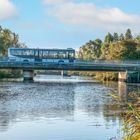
<point x="8" y="39"/>
<point x="113" y="47"/>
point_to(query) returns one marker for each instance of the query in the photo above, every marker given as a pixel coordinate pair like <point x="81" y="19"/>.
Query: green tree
<point x="108" y="38"/>
<point x="8" y="39"/>
<point x="121" y="37"/>
<point x="123" y="47"/>
<point x="128" y="34"/>
<point x="91" y="50"/>
<point x="115" y="37"/>
<point x="98" y="42"/>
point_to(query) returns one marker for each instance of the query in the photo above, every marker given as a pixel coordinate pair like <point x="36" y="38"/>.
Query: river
<point x="60" y="108"/>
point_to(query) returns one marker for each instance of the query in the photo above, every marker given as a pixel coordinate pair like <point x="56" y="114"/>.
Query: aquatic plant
<point x="130" y="116"/>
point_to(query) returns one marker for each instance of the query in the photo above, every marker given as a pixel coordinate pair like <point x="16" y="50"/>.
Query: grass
<point x="130" y="116"/>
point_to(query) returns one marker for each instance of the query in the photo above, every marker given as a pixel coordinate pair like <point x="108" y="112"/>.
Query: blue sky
<point x="68" y="23"/>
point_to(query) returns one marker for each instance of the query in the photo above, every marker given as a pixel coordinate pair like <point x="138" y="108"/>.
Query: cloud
<point x="52" y="2"/>
<point x="89" y="15"/>
<point x="7" y="10"/>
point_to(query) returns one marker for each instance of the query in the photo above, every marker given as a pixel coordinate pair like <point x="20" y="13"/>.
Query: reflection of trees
<point x="89" y="99"/>
<point x="31" y="102"/>
<point x="112" y="111"/>
<point x="124" y="90"/>
<point x="95" y="103"/>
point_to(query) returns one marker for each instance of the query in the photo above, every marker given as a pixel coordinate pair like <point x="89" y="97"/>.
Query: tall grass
<point x="130" y="116"/>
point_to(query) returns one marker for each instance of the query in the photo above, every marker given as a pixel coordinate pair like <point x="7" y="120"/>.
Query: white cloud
<point x="52" y="2"/>
<point x="89" y="15"/>
<point x="7" y="10"/>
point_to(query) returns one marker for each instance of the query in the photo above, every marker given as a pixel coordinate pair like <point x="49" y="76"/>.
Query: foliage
<point x="128" y="34"/>
<point x="114" y="47"/>
<point x="91" y="50"/>
<point x="9" y="74"/>
<point x="8" y="39"/>
<point x="130" y="116"/>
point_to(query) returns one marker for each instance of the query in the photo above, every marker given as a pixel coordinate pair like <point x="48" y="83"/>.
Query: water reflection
<point x="124" y="90"/>
<point x="33" y="101"/>
<point x="77" y="105"/>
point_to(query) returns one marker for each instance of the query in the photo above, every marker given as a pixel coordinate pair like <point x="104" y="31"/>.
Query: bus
<point x="41" y="55"/>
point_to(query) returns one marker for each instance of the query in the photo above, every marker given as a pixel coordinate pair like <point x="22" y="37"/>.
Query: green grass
<point x="130" y="116"/>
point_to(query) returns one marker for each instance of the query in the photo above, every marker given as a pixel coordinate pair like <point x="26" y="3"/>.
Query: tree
<point x="114" y="47"/>
<point x="8" y="39"/>
<point x="115" y="37"/>
<point x="98" y="41"/>
<point x="128" y="34"/>
<point x="108" y="38"/>
<point x="91" y="50"/>
<point x="121" y="37"/>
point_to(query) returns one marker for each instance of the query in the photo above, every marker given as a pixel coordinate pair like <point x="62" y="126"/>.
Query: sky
<point x="68" y="23"/>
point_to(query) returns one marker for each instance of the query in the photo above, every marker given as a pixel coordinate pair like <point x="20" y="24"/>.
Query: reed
<point x="130" y="116"/>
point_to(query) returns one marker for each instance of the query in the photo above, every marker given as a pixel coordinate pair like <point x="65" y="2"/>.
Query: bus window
<point x="32" y="53"/>
<point x="36" y="53"/>
<point x="52" y="54"/>
<point x="61" y="55"/>
<point x="55" y="54"/>
<point x="67" y="55"/>
<point x="13" y="52"/>
<point x="71" y="54"/>
<point x="45" y="54"/>
<point x="40" y="53"/>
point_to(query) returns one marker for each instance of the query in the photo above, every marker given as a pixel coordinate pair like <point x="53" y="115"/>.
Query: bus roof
<point x="42" y="49"/>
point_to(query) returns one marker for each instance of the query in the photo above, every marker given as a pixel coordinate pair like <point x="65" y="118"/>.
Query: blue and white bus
<point x="41" y="55"/>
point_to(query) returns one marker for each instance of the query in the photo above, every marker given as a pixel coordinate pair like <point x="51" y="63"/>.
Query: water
<point x="56" y="108"/>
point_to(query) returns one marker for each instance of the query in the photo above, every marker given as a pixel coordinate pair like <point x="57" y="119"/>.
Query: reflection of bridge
<point x="128" y="70"/>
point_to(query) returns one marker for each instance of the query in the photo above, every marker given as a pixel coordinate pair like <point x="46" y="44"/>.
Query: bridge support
<point x="123" y="92"/>
<point x="64" y="73"/>
<point x="28" y="75"/>
<point x="129" y="76"/>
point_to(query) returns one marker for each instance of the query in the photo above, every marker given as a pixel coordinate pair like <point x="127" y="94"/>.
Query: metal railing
<point x="5" y="62"/>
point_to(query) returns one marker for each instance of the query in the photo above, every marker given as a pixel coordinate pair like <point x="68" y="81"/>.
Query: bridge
<point x="129" y="71"/>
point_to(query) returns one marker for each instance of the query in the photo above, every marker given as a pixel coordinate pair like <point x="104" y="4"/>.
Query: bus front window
<point x="71" y="55"/>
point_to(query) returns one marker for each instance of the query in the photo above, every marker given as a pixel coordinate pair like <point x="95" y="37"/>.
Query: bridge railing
<point x="108" y="62"/>
<point x="7" y="61"/>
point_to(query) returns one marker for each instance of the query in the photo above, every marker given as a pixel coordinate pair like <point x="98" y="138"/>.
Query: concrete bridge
<point x="129" y="71"/>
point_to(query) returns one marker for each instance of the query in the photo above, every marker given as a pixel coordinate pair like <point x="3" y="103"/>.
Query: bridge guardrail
<point x="5" y="62"/>
<point x="108" y="62"/>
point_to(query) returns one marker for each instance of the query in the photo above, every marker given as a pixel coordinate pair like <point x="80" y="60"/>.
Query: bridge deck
<point x="76" y="66"/>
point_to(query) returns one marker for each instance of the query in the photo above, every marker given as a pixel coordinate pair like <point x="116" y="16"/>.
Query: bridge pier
<point x="122" y="76"/>
<point x="64" y="73"/>
<point x="28" y="75"/>
<point x="129" y="76"/>
<point x="123" y="92"/>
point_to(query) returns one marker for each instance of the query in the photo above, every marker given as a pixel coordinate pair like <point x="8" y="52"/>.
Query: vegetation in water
<point x="131" y="116"/>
